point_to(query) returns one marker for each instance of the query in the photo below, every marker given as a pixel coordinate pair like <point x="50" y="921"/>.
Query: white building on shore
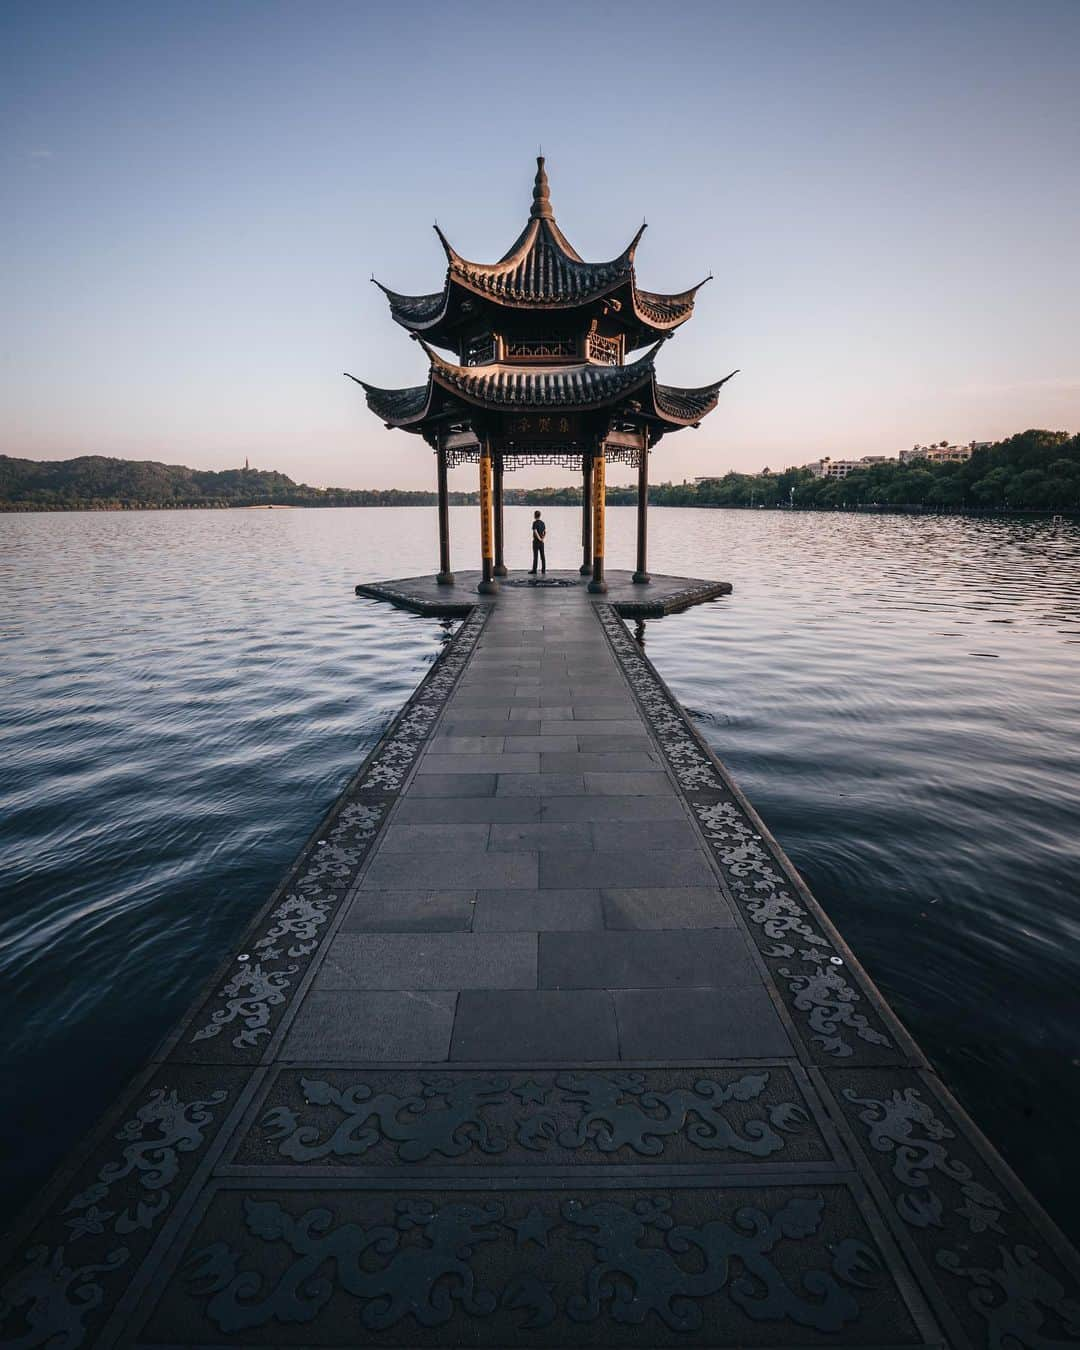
<point x="943" y="453"/>
<point x="840" y="468"/>
<point x="934" y="454"/>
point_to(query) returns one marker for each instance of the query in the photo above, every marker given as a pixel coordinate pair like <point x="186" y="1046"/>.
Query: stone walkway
<point x="541" y="893"/>
<point x="542" y="1042"/>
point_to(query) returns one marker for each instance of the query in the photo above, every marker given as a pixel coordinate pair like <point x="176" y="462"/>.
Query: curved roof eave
<point x="417" y="312"/>
<point x="686" y="407"/>
<point x="662" y="311"/>
<point x="397" y="407"/>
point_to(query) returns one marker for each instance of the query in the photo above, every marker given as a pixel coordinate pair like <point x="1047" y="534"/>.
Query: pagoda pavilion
<point x="541" y="372"/>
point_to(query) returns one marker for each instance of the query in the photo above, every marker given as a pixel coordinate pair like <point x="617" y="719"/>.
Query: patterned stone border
<point x="819" y="987"/>
<point x="837" y="1013"/>
<point x="68" y="1269"/>
<point x="237" y="1019"/>
<point x="998" y="1265"/>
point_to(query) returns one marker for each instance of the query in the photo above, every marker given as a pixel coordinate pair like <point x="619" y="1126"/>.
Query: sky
<point x="888" y="196"/>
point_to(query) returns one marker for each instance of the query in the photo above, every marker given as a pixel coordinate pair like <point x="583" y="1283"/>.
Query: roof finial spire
<point x="541" y="206"/>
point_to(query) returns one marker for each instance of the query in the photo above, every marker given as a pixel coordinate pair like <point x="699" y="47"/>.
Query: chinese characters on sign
<point x="542" y="426"/>
<point x="486" y="550"/>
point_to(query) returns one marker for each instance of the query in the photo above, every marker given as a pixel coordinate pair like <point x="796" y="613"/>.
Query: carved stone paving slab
<point x="835" y="1016"/>
<point x="250" y="996"/>
<point x="332" y="1118"/>
<point x="64" y="1275"/>
<point x="626" y="1266"/>
<point x="1000" y="1276"/>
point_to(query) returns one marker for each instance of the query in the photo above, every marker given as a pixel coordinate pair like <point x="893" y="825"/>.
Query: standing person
<point x="539" y="530"/>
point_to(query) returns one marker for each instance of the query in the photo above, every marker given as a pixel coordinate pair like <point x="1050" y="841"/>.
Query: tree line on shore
<point x="1032" y="471"/>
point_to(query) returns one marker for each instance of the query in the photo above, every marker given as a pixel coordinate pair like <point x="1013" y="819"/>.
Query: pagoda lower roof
<point x="506" y="388"/>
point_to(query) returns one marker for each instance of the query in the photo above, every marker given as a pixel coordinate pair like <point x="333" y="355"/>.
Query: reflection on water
<point x="185" y="692"/>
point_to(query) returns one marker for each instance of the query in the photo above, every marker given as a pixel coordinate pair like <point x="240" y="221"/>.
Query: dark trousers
<point x="538" y="552"/>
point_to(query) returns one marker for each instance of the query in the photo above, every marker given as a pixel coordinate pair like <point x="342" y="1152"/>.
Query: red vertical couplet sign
<point x="598" y="506"/>
<point x="486" y="549"/>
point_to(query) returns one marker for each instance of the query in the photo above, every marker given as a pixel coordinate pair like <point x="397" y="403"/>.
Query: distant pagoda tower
<point x="541" y="376"/>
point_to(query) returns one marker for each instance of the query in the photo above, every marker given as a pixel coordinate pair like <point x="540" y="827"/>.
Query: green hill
<point x="96" y="482"/>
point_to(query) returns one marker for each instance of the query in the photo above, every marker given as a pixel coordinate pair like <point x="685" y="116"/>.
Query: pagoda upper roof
<point x="499" y="387"/>
<point x="542" y="271"/>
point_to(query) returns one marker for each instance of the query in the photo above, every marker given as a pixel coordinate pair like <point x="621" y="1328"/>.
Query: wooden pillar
<point x="487" y="585"/>
<point x="598" y="586"/>
<point x="641" y="576"/>
<point x="445" y="577"/>
<point x="586" y="515"/>
<point x="500" y="564"/>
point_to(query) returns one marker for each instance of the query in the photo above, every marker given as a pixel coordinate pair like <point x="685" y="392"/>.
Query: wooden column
<point x="598" y="586"/>
<point x="586" y="516"/>
<point x="641" y="576"/>
<point x="500" y="564"/>
<point x="487" y="585"/>
<point x="444" y="577"/>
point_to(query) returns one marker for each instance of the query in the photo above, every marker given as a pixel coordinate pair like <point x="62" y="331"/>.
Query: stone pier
<point x="541" y="1042"/>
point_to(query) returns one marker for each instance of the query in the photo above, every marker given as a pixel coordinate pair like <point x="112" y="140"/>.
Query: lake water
<point x="182" y="694"/>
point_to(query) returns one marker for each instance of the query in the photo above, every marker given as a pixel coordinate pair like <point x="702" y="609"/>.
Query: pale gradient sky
<point x="198" y="192"/>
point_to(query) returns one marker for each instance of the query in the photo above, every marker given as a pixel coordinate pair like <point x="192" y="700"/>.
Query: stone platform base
<point x="662" y="595"/>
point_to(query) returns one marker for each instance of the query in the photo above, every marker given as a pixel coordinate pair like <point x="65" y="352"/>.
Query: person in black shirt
<point x="539" y="530"/>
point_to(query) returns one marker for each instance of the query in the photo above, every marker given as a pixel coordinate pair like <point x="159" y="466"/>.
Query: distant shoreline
<point x="864" y="509"/>
<point x="1032" y="473"/>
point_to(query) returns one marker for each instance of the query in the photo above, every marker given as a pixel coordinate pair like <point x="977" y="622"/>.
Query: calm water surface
<point x="184" y="693"/>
